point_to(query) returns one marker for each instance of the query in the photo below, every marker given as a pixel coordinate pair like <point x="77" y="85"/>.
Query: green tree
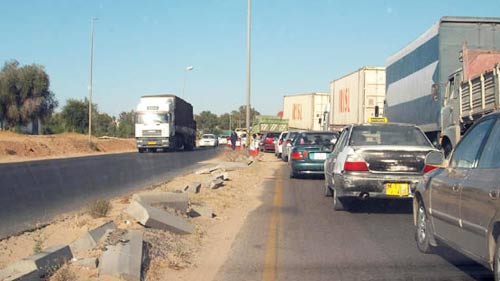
<point x="54" y="124"/>
<point x="24" y="94"/>
<point x="75" y="115"/>
<point x="206" y="122"/>
<point x="105" y="125"/>
<point x="126" y="124"/>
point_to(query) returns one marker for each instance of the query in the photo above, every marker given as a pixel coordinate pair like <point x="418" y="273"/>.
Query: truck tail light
<point x="355" y="163"/>
<point x="297" y="155"/>
<point x="428" y="168"/>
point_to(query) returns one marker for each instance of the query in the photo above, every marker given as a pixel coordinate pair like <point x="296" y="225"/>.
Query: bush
<point x="99" y="208"/>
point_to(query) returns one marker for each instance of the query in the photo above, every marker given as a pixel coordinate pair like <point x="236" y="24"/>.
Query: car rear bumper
<point x="307" y="167"/>
<point x="357" y="184"/>
<point x="268" y="147"/>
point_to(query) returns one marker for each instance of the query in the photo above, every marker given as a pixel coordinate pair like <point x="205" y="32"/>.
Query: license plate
<point x="151" y="143"/>
<point x="319" y="156"/>
<point x="397" y="189"/>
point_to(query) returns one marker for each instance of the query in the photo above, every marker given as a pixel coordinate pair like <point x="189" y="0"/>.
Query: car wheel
<point x="338" y="205"/>
<point x="496" y="262"/>
<point x="422" y="234"/>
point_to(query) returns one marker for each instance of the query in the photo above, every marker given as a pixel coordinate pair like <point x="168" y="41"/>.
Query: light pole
<point x="248" y="67"/>
<point x="90" y="82"/>
<point x="189" y="68"/>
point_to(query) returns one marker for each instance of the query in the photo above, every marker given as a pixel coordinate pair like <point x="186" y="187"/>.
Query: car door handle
<point x="493" y="194"/>
<point x="455" y="188"/>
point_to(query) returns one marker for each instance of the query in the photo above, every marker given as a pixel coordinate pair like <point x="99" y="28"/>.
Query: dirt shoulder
<point x="17" y="147"/>
<point x="196" y="256"/>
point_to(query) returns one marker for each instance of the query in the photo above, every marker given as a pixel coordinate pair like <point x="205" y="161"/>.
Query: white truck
<point x="164" y="122"/>
<point x="305" y="111"/>
<point x="355" y="96"/>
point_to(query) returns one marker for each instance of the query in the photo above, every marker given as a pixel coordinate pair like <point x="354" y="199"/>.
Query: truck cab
<point x="153" y="124"/>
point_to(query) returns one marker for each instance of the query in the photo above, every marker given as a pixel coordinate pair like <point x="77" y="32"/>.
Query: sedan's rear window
<point x="315" y="138"/>
<point x="388" y="135"/>
<point x="208" y="137"/>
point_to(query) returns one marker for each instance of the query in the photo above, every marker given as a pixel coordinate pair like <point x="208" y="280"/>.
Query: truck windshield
<point x="152" y="118"/>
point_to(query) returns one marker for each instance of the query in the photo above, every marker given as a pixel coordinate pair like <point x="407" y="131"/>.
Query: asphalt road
<point x="32" y="193"/>
<point x="296" y="235"/>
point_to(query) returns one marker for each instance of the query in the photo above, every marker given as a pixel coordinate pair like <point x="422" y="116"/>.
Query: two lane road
<point x="296" y="235"/>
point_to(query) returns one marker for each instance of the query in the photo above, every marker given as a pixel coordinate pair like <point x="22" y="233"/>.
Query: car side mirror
<point x="435" y="158"/>
<point x="333" y="141"/>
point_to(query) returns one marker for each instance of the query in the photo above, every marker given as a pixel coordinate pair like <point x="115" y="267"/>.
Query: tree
<point x="75" y="115"/>
<point x="206" y="122"/>
<point x="54" y="124"/>
<point x="24" y="94"/>
<point x="105" y="125"/>
<point x="239" y="116"/>
<point x="126" y="124"/>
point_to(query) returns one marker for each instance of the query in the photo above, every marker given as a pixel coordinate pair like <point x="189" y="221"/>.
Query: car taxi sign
<point x="378" y="120"/>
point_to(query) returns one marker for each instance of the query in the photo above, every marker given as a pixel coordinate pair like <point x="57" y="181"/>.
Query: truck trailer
<point x="417" y="75"/>
<point x="305" y="111"/>
<point x="356" y="95"/>
<point x="164" y="122"/>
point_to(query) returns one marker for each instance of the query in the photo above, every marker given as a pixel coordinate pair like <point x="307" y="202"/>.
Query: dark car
<point x="309" y="151"/>
<point x="376" y="160"/>
<point x="459" y="203"/>
<point x="267" y="141"/>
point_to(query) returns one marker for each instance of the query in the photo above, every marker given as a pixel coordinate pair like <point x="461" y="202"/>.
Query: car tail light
<point x="305" y="153"/>
<point x="297" y="155"/>
<point x="355" y="163"/>
<point x="428" y="168"/>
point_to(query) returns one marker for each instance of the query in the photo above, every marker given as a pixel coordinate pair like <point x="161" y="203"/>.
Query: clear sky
<point x="143" y="47"/>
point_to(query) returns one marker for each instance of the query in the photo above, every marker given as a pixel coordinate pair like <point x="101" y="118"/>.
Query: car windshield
<point x="387" y="135"/>
<point x="151" y="118"/>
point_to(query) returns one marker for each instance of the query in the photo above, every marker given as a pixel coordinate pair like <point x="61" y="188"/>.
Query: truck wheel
<point x="188" y="146"/>
<point x="422" y="232"/>
<point x="141" y="150"/>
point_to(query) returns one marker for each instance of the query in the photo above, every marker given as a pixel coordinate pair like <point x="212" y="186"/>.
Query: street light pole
<point x="189" y="68"/>
<point x="91" y="72"/>
<point x="248" y="66"/>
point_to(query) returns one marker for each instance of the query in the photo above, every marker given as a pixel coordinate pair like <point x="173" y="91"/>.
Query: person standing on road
<point x="234" y="136"/>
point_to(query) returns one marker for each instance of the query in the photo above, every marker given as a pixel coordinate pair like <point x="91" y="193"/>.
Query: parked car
<point x="267" y="141"/>
<point x="278" y="148"/>
<point x="309" y="152"/>
<point x="458" y="204"/>
<point x="208" y="140"/>
<point x="223" y="139"/>
<point x="376" y="160"/>
<point x="287" y="143"/>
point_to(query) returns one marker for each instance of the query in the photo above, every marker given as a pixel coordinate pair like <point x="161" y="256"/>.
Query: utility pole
<point x="248" y="67"/>
<point x="90" y="82"/>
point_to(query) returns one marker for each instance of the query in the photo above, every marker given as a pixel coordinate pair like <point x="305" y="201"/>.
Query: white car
<point x="223" y="139"/>
<point x="209" y="140"/>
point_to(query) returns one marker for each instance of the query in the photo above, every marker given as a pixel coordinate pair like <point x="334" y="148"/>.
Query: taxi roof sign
<point x="378" y="120"/>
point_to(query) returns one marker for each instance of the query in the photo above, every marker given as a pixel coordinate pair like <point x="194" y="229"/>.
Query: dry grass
<point x="99" y="208"/>
<point x="64" y="274"/>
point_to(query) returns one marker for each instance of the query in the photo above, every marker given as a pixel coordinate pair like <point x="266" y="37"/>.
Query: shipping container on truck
<point x="164" y="122"/>
<point x="417" y="74"/>
<point x="305" y="111"/>
<point x="355" y="96"/>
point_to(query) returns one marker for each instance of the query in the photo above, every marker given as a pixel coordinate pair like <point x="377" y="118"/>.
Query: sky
<point x="144" y="47"/>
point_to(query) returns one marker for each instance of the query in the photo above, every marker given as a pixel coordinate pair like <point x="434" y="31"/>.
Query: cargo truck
<point x="305" y="111"/>
<point x="164" y="122"/>
<point x="355" y="96"/>
<point x="268" y="123"/>
<point x="417" y="75"/>
<point x="471" y="92"/>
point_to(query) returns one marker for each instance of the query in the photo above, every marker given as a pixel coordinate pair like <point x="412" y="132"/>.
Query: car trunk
<point x="393" y="159"/>
<point x="315" y="152"/>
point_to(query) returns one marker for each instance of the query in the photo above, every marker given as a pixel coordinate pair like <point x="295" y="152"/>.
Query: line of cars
<point x="456" y="201"/>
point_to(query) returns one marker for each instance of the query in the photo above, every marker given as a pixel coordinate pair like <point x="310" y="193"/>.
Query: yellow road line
<point x="271" y="259"/>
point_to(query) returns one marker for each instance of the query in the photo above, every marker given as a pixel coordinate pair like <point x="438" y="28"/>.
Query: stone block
<point x="194" y="187"/>
<point x="155" y="218"/>
<point x="89" y="263"/>
<point x="223" y="176"/>
<point x="206" y="170"/>
<point x="91" y="238"/>
<point x="50" y="258"/>
<point x="174" y="200"/>
<point x="20" y="271"/>
<point x="201" y="210"/>
<point x="216" y="183"/>
<point x="124" y="260"/>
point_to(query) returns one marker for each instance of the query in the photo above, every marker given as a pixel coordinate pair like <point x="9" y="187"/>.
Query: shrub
<point x="99" y="208"/>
